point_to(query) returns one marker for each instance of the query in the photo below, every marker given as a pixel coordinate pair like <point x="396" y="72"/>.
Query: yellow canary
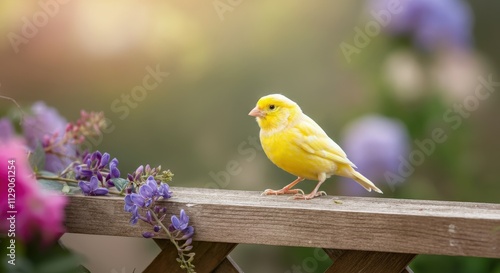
<point x="298" y="145"/>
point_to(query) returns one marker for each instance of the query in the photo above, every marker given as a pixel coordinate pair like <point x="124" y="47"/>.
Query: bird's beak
<point x="256" y="112"/>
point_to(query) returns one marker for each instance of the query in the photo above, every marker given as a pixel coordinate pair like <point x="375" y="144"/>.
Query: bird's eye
<point x="272" y="106"/>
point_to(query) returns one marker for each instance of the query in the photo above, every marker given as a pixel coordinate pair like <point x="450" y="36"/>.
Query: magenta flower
<point x="37" y="212"/>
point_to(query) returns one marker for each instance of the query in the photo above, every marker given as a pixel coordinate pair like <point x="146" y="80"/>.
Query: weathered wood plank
<point x="209" y="256"/>
<point x="370" y="224"/>
<point x="334" y="254"/>
<point x="355" y="261"/>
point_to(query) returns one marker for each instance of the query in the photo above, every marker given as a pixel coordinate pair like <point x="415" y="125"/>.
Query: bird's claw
<point x="309" y="196"/>
<point x="267" y="192"/>
<point x="282" y="191"/>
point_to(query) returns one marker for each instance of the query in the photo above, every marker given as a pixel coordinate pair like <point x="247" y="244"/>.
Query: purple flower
<point x="151" y="182"/>
<point x="113" y="168"/>
<point x="104" y="160"/>
<point x="181" y="225"/>
<point x="148" y="234"/>
<point x="6" y="130"/>
<point x="149" y="217"/>
<point x="136" y="176"/>
<point x="432" y="24"/>
<point x="132" y="204"/>
<point x="164" y="191"/>
<point x="138" y="200"/>
<point x="91" y="188"/>
<point x="188" y="233"/>
<point x="43" y="125"/>
<point x="129" y="204"/>
<point x="135" y="215"/>
<point x="83" y="173"/>
<point x="375" y="144"/>
<point x="147" y="190"/>
<point x="147" y="195"/>
<point x="95" y="164"/>
<point x="130" y="177"/>
<point x="132" y="207"/>
<point x="43" y="121"/>
<point x="182" y="222"/>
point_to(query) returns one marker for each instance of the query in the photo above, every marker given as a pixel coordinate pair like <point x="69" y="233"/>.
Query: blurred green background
<point x="221" y="57"/>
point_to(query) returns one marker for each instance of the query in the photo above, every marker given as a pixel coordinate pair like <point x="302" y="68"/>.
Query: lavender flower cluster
<point x="148" y="194"/>
<point x="96" y="167"/>
<point x="142" y="206"/>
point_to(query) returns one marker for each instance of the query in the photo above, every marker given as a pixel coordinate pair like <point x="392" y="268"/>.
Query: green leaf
<point x="37" y="158"/>
<point x="74" y="190"/>
<point x="120" y="183"/>
<point x="51" y="185"/>
<point x="66" y="188"/>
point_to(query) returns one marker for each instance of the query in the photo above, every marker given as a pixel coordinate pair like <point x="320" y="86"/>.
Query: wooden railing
<point x="359" y="234"/>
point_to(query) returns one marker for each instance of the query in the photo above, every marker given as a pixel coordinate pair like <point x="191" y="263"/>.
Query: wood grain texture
<point x="370" y="224"/>
<point x="209" y="256"/>
<point x="355" y="261"/>
<point x="333" y="253"/>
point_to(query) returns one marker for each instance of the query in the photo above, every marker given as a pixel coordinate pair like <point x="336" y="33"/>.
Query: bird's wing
<point x="312" y="139"/>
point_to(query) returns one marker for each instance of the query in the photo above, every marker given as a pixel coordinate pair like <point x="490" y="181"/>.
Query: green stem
<point x="62" y="180"/>
<point x="56" y="178"/>
<point x="68" y="169"/>
<point x="114" y="192"/>
<point x="173" y="241"/>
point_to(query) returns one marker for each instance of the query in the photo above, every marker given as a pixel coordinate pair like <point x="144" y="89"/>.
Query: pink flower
<point x="37" y="212"/>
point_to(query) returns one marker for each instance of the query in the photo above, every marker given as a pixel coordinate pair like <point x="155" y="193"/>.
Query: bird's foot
<point x="309" y="196"/>
<point x="282" y="191"/>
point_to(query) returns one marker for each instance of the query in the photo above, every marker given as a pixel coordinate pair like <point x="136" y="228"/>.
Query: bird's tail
<point x="363" y="181"/>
